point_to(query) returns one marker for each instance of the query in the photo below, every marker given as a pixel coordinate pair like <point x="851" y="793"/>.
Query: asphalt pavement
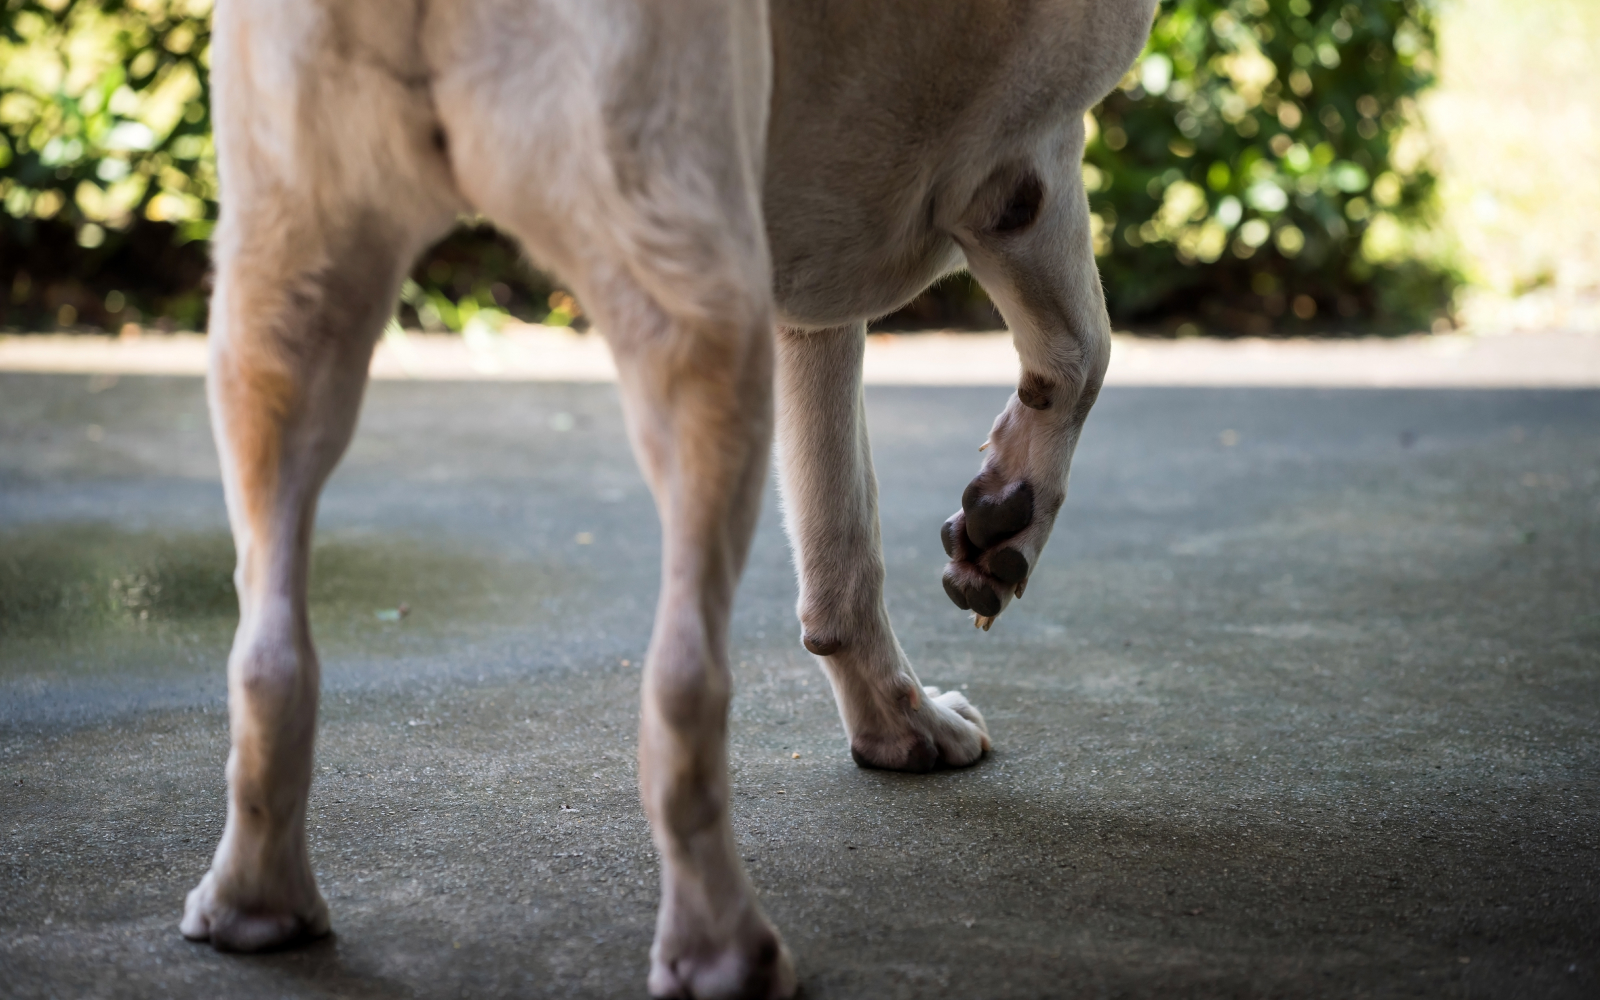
<point x="1303" y="700"/>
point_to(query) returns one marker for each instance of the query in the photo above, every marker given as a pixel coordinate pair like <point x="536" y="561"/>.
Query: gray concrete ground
<point x="1303" y="701"/>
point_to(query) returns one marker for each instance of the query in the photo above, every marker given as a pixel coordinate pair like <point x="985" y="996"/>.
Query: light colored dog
<point x="702" y="173"/>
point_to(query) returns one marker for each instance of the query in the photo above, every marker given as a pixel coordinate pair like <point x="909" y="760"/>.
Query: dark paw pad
<point x="821" y="645"/>
<point x="957" y="596"/>
<point x="983" y="600"/>
<point x="979" y="597"/>
<point x="992" y="519"/>
<point x="1008" y="566"/>
<point x="948" y="537"/>
<point x="1035" y="391"/>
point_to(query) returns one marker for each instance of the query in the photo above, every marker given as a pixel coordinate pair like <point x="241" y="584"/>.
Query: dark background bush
<point x="1244" y="177"/>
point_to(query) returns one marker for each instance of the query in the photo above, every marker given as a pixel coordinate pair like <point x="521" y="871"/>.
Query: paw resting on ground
<point x="230" y="927"/>
<point x="935" y="729"/>
<point x="754" y="965"/>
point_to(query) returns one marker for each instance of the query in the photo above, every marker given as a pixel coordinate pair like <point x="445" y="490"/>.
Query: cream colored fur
<point x="702" y="173"/>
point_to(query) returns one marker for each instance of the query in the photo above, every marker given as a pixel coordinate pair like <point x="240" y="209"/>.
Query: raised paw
<point x="1006" y="513"/>
<point x="992" y="548"/>
<point x="229" y="926"/>
<point x="930" y="729"/>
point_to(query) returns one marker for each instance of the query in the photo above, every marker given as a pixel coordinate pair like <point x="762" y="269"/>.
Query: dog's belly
<point x="852" y="153"/>
<point x="847" y="276"/>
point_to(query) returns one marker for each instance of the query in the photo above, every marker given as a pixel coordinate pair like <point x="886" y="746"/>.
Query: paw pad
<point x="992" y="519"/>
<point x="1008" y="566"/>
<point x="1035" y="391"/>
<point x="984" y="570"/>
<point x="971" y="597"/>
<point x="821" y="645"/>
<point x="948" y="537"/>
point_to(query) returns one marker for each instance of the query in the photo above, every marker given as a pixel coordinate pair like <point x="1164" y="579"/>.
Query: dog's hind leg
<point x="698" y="399"/>
<point x="292" y="331"/>
<point x="310" y="252"/>
<point x="289" y="355"/>
<point x="831" y="511"/>
<point x="629" y="158"/>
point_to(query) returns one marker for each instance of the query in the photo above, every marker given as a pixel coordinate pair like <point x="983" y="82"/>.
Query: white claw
<point x="985" y="444"/>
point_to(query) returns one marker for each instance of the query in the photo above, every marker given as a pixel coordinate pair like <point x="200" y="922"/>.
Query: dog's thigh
<point x="614" y="134"/>
<point x="323" y="112"/>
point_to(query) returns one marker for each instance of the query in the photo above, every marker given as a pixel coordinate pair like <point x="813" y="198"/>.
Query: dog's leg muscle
<point x="831" y="512"/>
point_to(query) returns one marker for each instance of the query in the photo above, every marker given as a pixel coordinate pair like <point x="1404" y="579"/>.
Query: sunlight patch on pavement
<point x="532" y="353"/>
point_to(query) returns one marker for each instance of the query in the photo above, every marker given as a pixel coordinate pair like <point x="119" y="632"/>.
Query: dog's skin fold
<point x="702" y="173"/>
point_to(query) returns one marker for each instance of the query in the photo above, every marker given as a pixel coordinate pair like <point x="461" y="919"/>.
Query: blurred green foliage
<point x="105" y="157"/>
<point x="109" y="187"/>
<point x="1255" y="170"/>
<point x="104" y="115"/>
<point x="1258" y="170"/>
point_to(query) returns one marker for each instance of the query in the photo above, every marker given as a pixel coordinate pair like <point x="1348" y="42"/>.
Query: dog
<point x="732" y="188"/>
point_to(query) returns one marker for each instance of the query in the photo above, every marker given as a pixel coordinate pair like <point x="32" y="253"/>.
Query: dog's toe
<point x="972" y="588"/>
<point x="1008" y="566"/>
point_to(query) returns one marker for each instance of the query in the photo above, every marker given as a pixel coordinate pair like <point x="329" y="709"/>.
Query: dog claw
<point x="983" y="621"/>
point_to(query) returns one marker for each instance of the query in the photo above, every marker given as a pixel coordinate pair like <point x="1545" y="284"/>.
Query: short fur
<point x="702" y="173"/>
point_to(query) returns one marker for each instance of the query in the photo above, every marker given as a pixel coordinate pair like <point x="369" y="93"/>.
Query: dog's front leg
<point x="1026" y="236"/>
<point x="831" y="509"/>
